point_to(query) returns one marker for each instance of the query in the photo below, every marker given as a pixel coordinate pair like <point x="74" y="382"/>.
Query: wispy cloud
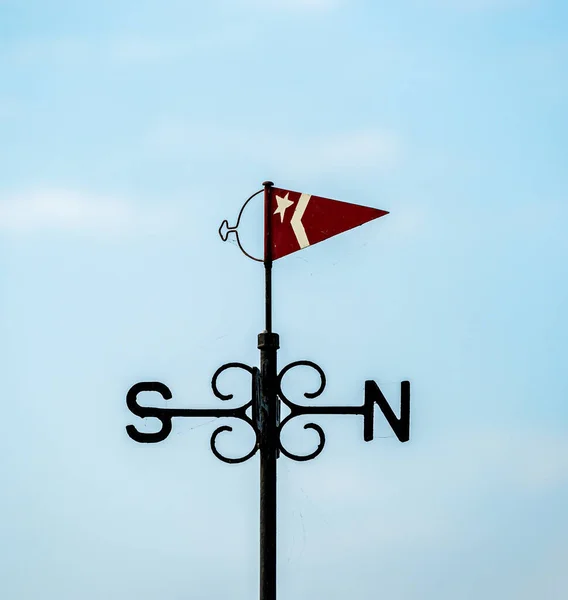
<point x="355" y="150"/>
<point x="476" y="5"/>
<point x="126" y="50"/>
<point x="142" y="49"/>
<point x="73" y="211"/>
<point x="296" y="5"/>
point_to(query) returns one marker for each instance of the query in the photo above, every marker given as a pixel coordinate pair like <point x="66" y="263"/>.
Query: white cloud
<point x="70" y="210"/>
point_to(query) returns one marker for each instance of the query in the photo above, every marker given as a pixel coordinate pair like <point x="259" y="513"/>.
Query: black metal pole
<point x="268" y="253"/>
<point x="268" y="344"/>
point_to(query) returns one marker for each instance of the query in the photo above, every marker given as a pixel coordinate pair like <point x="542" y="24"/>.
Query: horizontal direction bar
<point x="298" y="410"/>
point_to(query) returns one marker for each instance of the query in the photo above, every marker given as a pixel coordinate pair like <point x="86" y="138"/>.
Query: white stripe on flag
<point x="296" y="220"/>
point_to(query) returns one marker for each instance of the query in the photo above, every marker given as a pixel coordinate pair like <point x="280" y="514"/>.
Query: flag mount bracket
<point x="225" y="229"/>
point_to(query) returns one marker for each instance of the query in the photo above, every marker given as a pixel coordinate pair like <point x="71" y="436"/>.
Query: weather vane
<point x="292" y="221"/>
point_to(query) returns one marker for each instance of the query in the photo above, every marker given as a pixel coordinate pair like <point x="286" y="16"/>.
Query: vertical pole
<point x="268" y="344"/>
<point x="268" y="253"/>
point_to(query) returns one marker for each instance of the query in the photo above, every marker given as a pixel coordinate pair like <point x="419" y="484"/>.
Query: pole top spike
<point x="268" y="183"/>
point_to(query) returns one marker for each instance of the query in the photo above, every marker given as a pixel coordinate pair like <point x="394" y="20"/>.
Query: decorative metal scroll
<point x="400" y="425"/>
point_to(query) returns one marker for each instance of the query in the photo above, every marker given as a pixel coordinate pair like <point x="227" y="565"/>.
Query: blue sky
<point x="129" y="131"/>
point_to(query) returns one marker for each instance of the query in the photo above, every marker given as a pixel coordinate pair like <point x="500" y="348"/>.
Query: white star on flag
<point x="283" y="204"/>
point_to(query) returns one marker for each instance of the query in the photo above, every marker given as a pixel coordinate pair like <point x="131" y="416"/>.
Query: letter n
<point x="400" y="426"/>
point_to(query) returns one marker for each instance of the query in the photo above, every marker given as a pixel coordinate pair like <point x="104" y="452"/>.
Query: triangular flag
<point x="301" y="220"/>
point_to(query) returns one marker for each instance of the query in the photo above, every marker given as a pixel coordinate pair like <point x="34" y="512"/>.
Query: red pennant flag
<point x="301" y="220"/>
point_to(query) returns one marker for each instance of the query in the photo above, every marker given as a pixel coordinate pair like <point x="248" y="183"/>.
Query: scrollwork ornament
<point x="302" y="457"/>
<point x="166" y="415"/>
<point x="310" y="395"/>
<point x="227" y="459"/>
